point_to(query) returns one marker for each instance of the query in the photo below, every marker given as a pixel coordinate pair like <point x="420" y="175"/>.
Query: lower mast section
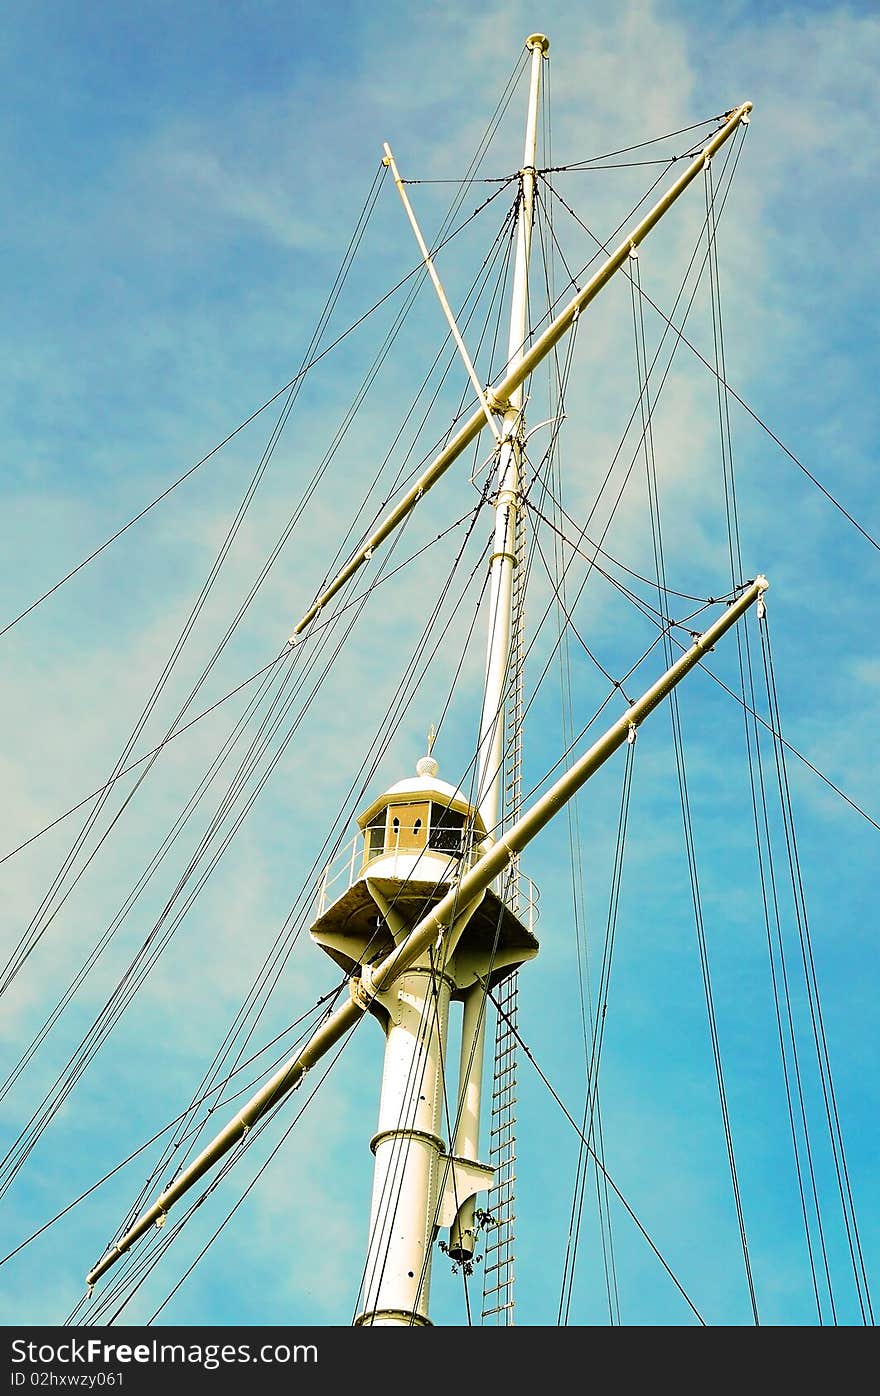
<point x="409" y="1152"/>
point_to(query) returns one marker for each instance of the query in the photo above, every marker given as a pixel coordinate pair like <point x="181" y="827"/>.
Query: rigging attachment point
<point x="539" y="41"/>
<point x="362" y="989"/>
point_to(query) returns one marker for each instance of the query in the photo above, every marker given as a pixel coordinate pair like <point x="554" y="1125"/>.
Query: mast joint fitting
<point x="505" y="557"/>
<point x="363" y="989"/>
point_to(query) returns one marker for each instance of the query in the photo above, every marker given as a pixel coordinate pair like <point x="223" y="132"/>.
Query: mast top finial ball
<point x="539" y="41"/>
<point x="427" y="766"/>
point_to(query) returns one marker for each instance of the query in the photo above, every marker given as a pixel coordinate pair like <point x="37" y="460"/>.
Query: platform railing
<point x="348" y="865"/>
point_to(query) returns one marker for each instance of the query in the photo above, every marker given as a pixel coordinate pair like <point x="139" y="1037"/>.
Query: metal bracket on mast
<point x="362" y="990"/>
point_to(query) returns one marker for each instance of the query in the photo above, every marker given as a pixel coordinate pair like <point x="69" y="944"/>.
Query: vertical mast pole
<point x="508" y="477"/>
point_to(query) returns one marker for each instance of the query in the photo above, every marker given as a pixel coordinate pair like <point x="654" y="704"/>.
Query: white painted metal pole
<point x="432" y="927"/>
<point x="408" y="1148"/>
<point x="507" y="500"/>
<point x="441" y="295"/>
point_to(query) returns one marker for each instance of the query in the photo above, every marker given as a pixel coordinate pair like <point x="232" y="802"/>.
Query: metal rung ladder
<point x="498" y="1259"/>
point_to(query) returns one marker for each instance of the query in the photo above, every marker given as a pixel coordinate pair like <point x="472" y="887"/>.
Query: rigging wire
<point x="605" y="1174"/>
<point x="591" y="1116"/>
<point x="759" y="421"/>
<point x="155" y="861"/>
<point x="755" y="765"/>
<point x="314" y="630"/>
<point x="664" y="622"/>
<point x="33" y="934"/>
<point x="395" y="710"/>
<point x="811" y="983"/>
<point x="576" y="871"/>
<point x="718" y="120"/>
<point x="231" y="1213"/>
<point x="681" y="769"/>
<point x="335" y="290"/>
<point x="330" y="996"/>
<point x="148" y="1258"/>
<point x="285" y="388"/>
<point x="769" y="881"/>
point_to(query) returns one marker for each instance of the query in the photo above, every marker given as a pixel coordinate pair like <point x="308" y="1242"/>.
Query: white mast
<point x="507" y="500"/>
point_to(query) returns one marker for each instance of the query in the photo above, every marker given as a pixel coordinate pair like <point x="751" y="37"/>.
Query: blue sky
<point x="179" y="184"/>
